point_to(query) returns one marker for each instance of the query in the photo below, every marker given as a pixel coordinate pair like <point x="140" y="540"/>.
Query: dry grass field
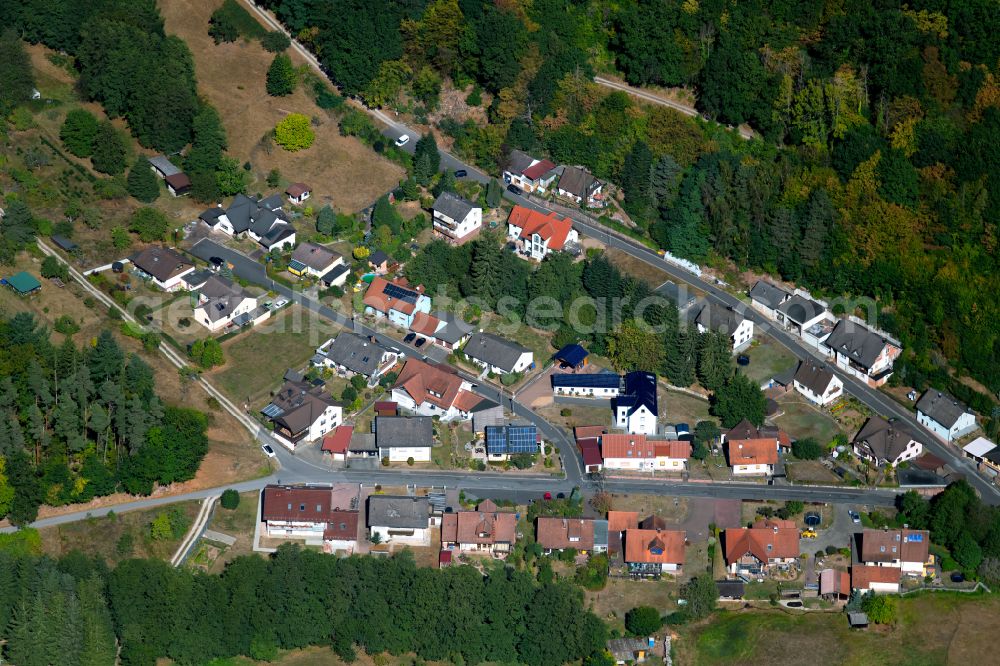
<point x="342" y="171"/>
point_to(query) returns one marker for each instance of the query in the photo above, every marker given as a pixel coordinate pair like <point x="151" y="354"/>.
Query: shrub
<point x="807" y="448"/>
<point x="832" y="550"/>
<point x="294" y="133"/>
<point x="281" y="77"/>
<point x="275" y="41"/>
<point x="410" y="461"/>
<point x="125" y="544"/>
<point x="475" y="98"/>
<point x="643" y="621"/>
<point x="66" y="325"/>
<point x="230" y="499"/>
<point x="53" y="268"/>
<point x="263" y="648"/>
<point x="565" y="411"/>
<point x="385" y="463"/>
<point x="78" y="132"/>
<point x="150" y="224"/>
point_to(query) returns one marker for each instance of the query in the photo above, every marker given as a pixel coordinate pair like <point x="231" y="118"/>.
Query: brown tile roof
<point x="590" y="449"/>
<point x="337" y="506"/>
<point x="466" y="400"/>
<point x="536" y="171"/>
<point x="426" y="382"/>
<point x="375" y="296"/>
<point x="626" y="446"/>
<point x="425" y="324"/>
<point x="768" y="539"/>
<point x="550" y="227"/>
<point x="561" y="533"/>
<point x="752" y="451"/>
<point x="485" y="525"/>
<point x="586" y="432"/>
<point x="297" y="189"/>
<point x="654" y="546"/>
<point x="863" y="576"/>
<point x="338" y="440"/>
<point x="888" y="545"/>
<point x="832" y="581"/>
<point x="619" y="521"/>
<point x="161" y="262"/>
<point x="673" y="449"/>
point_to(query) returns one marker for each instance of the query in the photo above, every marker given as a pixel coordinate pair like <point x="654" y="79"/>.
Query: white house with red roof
<point x="398" y="300"/>
<point x="528" y="173"/>
<point x="536" y="234"/>
<point x="429" y="389"/>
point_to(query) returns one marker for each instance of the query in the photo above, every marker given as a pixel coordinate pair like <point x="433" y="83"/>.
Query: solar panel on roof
<point x="272" y="411"/>
<point x="501" y="440"/>
<point x="395" y="291"/>
<point x="592" y="380"/>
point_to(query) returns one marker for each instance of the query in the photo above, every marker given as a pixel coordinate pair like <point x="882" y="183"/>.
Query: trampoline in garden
<point x="811" y="519"/>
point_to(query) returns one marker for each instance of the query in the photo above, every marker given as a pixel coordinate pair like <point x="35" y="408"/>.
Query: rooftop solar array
<point x="272" y="411"/>
<point x="395" y="291"/>
<point x="589" y="380"/>
<point x="511" y="439"/>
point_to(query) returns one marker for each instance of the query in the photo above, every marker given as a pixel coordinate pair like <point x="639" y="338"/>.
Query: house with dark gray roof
<point x="944" y="415"/>
<point x="400" y="438"/>
<point x="165" y="267"/>
<point x="260" y="219"/>
<point x="886" y="442"/>
<point x="798" y="313"/>
<point x="727" y="321"/>
<point x="163" y="167"/>
<point x="866" y="354"/>
<point x="578" y="184"/>
<point x="352" y="354"/>
<point x="221" y="301"/>
<point x="456" y="219"/>
<point x="316" y="260"/>
<point x="635" y="406"/>
<point x="302" y="413"/>
<point x="528" y="173"/>
<point x="497" y="355"/>
<point x="766" y="297"/>
<point x="403" y="520"/>
<point x="817" y="383"/>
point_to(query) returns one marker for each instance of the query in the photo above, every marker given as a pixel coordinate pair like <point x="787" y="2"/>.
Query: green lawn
<point x="934" y="628"/>
<point x="676" y="407"/>
<point x="534" y="339"/>
<point x="767" y="358"/>
<point x="802" y="420"/>
<point x="255" y="362"/>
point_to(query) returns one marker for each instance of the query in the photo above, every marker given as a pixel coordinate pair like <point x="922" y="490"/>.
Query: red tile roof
<point x="425" y="382"/>
<point x="654" y="546"/>
<point x="376" y="298"/>
<point x="626" y="446"/>
<point x="550" y="227"/>
<point x="590" y="449"/>
<point x="673" y="449"/>
<point x="619" y="521"/>
<point x="586" y="432"/>
<point x="466" y="400"/>
<point x="338" y="440"/>
<point x="863" y="576"/>
<point x="766" y="540"/>
<point x="888" y="545"/>
<point x="386" y="408"/>
<point x="536" y="171"/>
<point x="485" y="525"/>
<point x="297" y="189"/>
<point x="752" y="451"/>
<point x="425" y="324"/>
<point x="562" y="533"/>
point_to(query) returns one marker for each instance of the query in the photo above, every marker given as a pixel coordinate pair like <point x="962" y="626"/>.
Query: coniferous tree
<point x="110" y="151"/>
<point x="715" y="359"/>
<point x="79" y="131"/>
<point x="485" y="277"/>
<point x="281" y="77"/>
<point x="142" y="182"/>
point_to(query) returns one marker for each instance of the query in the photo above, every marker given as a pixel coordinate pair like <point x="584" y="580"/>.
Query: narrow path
<point x="193" y="534"/>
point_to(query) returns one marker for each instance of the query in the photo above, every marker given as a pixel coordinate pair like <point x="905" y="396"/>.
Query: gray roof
<point x="487" y="413"/>
<point x="858" y="343"/>
<point x="577" y="181"/>
<point x="277" y="234"/>
<point x="362" y="442"/>
<point x="315" y="256"/>
<point x="813" y="376"/>
<point x="335" y="273"/>
<point x="356" y="353"/>
<point x="453" y="206"/>
<point x="715" y="318"/>
<point x="160" y="262"/>
<point x="196" y="279"/>
<point x="164" y="166"/>
<point x="801" y="310"/>
<point x="404" y="431"/>
<point x="397" y="511"/>
<point x="882" y="440"/>
<point x="223" y="296"/>
<point x="212" y="215"/>
<point x="454" y="329"/>
<point x="768" y="294"/>
<point x="494" y="350"/>
<point x="273" y="202"/>
<point x="941" y="407"/>
<point x="518" y="161"/>
<point x="297" y="405"/>
<point x="378" y="257"/>
<point x="259" y="216"/>
<point x="624" y="649"/>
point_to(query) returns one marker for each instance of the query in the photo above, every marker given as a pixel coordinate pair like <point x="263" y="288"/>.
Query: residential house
<point x="618" y="523"/>
<point x="400" y="438"/>
<point x="636" y="452"/>
<point x="536" y="234"/>
<point x="883" y="580"/>
<point x="397" y="301"/>
<point x="456" y="219"/>
<point x="317" y="261"/>
<point x="766" y="297"/>
<point x="749" y="457"/>
<point x="885" y="442"/>
<point x="352" y="354"/>
<point x="672" y="455"/>
<point x="163" y="167"/>
<point x="178" y="184"/>
<point x="756" y="550"/>
<point x="442" y="329"/>
<point x="586" y="385"/>
<point x="165" y="267"/>
<point x="817" y="383"/>
<point x="903" y="549"/>
<point x="945" y="416"/>
<point x="298" y="193"/>
<point x="530" y="174"/>
<point x="730" y="590"/>
<point x="980" y="450"/>
<point x="727" y="321"/>
<point x="798" y="313"/>
<point x="651" y="552"/>
<point x="498" y="355"/>
<point x="555" y="533"/>
<point x="630" y="650"/>
<point x="302" y="413"/>
<point x="399" y="520"/>
<point x="222" y="302"/>
<point x="320" y="514"/>
<point x="337" y="443"/>
<point x="486" y="530"/>
<point x="429" y="389"/>
<point x="635" y="407"/>
<point x="260" y="219"/>
<point x="379" y="262"/>
<point x="504" y="441"/>
<point x="862" y="352"/>
<point x="578" y="184"/>
<point x="834" y="585"/>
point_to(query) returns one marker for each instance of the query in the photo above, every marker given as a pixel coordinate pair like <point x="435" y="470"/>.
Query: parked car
<point x="547" y="495"/>
<point x="514" y="189"/>
<point x="409" y="337"/>
<point x="855" y="516"/>
<point x="402" y="141"/>
<point x="461" y="173"/>
<point x="958" y="577"/>
<point x="281" y="302"/>
<point x="743" y="359"/>
<point x="268" y="451"/>
<point x="420" y="342"/>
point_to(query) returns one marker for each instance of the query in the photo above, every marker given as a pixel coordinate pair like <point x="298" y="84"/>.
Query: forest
<point x="78" y="423"/>
<point x="75" y="612"/>
<point x="877" y="171"/>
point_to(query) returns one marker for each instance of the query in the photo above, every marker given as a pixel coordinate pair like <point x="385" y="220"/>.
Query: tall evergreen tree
<point x="636" y="180"/>
<point x="79" y="131"/>
<point x="680" y="357"/>
<point x="142" y="182"/>
<point x="817" y="227"/>
<point x="281" y="77"/>
<point x="17" y="80"/>
<point x="427" y="145"/>
<point x="486" y="269"/>
<point x="715" y="359"/>
<point x="110" y="151"/>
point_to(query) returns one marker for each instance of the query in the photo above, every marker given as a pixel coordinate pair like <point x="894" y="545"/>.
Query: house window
<point x="289" y="506"/>
<point x="318" y="508"/>
<point x="302" y="507"/>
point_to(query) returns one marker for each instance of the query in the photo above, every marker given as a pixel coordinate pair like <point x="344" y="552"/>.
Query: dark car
<point x="461" y="173"/>
<point x="743" y="359"/>
<point x="420" y="342"/>
<point x="409" y="338"/>
<point x="958" y="577"/>
<point x="514" y="189"/>
<point x="794" y="604"/>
